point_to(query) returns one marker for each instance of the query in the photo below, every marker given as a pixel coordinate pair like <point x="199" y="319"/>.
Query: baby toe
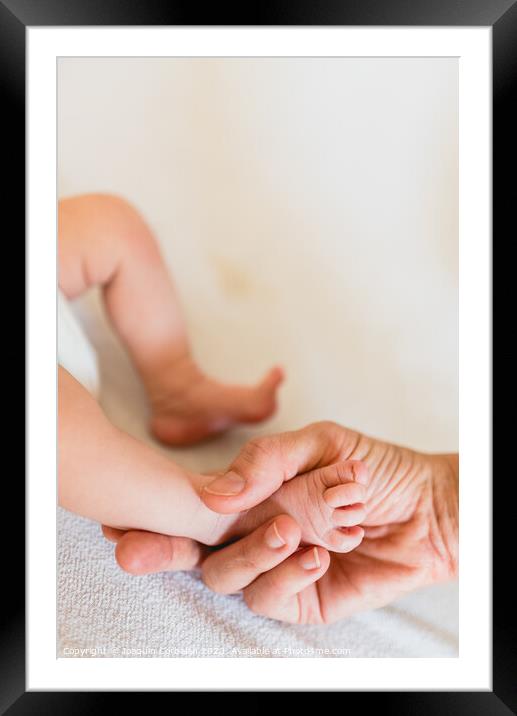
<point x="349" y="516"/>
<point x="344" y="539"/>
<point x="272" y="380"/>
<point x="348" y="494"/>
<point x="341" y="473"/>
<point x="359" y="471"/>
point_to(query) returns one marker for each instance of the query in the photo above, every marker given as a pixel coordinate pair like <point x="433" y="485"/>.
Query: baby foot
<point x="191" y="407"/>
<point x="328" y="505"/>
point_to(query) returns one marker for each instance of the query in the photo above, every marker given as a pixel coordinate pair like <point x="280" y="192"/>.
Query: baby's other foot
<point x="328" y="505"/>
<point x="193" y="407"/>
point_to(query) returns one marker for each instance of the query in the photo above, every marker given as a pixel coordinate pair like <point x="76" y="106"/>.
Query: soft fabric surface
<point x="107" y="613"/>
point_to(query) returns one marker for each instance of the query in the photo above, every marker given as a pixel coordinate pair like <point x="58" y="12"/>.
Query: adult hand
<point x="411" y="530"/>
<point x="225" y="570"/>
<point x="411" y="525"/>
<point x="139" y="552"/>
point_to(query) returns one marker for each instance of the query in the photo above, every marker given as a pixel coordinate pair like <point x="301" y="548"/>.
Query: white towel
<point x="106" y="613"/>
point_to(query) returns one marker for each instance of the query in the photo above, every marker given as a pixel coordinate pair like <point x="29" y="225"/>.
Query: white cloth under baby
<point x="75" y="353"/>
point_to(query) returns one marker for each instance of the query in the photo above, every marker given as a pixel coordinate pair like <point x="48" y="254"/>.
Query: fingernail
<point x="310" y="559"/>
<point x="226" y="485"/>
<point x="273" y="538"/>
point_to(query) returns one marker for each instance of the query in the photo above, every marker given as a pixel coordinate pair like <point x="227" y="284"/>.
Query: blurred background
<point x="308" y="212"/>
<point x="307" y="209"/>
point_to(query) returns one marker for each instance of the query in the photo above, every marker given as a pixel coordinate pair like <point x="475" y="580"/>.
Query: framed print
<point x="258" y="261"/>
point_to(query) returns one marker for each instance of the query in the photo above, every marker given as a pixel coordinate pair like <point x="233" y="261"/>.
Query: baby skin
<point x="103" y="241"/>
<point x="188" y="406"/>
<point x="107" y="475"/>
<point x="327" y="503"/>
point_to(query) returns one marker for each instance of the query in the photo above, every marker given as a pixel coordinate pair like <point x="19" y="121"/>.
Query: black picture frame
<point x="15" y="17"/>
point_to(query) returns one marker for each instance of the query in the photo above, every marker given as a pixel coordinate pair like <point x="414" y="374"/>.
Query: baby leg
<point x="102" y="240"/>
<point x="112" y="478"/>
<point x="108" y="476"/>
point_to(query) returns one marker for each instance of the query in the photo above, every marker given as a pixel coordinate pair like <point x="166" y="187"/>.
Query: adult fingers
<point x="275" y="594"/>
<point x="234" y="567"/>
<point x="112" y="534"/>
<point x="139" y="552"/>
<point x="265" y="463"/>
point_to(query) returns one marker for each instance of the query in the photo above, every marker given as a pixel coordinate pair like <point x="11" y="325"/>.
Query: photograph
<point x="257" y="357"/>
<point x="259" y="353"/>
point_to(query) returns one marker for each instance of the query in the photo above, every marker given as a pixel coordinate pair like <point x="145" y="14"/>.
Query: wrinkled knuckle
<point x="331" y="434"/>
<point x="254" y="601"/>
<point x="266" y="594"/>
<point x="249" y="566"/>
<point x="256" y="452"/>
<point x="275" y="585"/>
<point x="263" y="446"/>
<point x="324" y="428"/>
<point x="330" y="427"/>
<point x="212" y="578"/>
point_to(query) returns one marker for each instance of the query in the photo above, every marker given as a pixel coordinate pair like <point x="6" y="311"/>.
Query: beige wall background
<point x="307" y="209"/>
